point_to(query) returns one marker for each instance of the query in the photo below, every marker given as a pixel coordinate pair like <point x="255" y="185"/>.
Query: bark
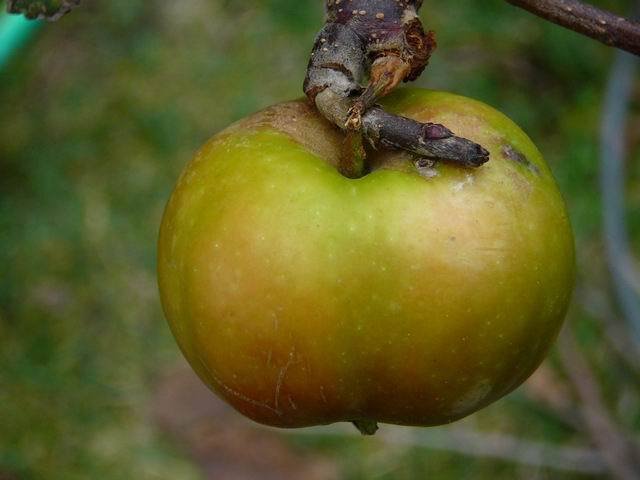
<point x="384" y="41"/>
<point x="606" y="27"/>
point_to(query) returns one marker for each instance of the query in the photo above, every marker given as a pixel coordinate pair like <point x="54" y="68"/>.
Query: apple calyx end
<point x="366" y="427"/>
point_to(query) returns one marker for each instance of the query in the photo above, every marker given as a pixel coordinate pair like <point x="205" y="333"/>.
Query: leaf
<point x="42" y="9"/>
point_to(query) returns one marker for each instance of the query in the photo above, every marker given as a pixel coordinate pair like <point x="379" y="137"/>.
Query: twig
<point x="424" y="139"/>
<point x="382" y="40"/>
<point x="612" y="442"/>
<point x="612" y="184"/>
<point x="606" y="27"/>
<point x="477" y="444"/>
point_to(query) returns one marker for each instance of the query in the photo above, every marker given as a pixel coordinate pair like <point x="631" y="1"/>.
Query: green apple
<point x="412" y="295"/>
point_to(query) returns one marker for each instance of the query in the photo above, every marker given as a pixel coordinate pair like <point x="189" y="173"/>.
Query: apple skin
<point x="302" y="297"/>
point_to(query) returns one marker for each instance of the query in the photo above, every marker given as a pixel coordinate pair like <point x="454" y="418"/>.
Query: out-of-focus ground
<point x="225" y="444"/>
<point x="99" y="114"/>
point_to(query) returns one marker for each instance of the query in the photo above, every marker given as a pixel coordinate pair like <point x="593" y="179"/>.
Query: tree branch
<point x="606" y="27"/>
<point x="383" y="42"/>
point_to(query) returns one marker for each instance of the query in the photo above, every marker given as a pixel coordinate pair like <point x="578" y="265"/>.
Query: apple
<point x="414" y="295"/>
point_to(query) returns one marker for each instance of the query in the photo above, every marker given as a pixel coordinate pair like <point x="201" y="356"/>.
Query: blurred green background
<point x="98" y="115"/>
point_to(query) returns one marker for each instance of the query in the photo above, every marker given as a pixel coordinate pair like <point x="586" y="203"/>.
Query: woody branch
<point x="384" y="41"/>
<point x="606" y="27"/>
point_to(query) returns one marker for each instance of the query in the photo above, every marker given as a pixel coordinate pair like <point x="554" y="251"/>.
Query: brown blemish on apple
<point x="511" y="153"/>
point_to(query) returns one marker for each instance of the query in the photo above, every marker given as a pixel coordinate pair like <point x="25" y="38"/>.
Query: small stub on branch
<point x="42" y="9"/>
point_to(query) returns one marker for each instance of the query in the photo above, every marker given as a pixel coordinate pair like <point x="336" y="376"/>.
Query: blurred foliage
<point x="49" y="9"/>
<point x="99" y="115"/>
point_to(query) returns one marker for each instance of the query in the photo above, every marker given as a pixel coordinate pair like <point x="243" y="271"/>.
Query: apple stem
<point x="351" y="163"/>
<point x="384" y="41"/>
<point x="366" y="427"/>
